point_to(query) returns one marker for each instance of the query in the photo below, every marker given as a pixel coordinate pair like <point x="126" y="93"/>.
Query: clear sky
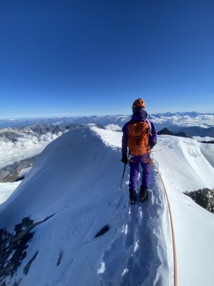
<point x="95" y="57"/>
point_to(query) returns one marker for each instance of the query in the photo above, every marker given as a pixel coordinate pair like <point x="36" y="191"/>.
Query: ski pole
<point x="124" y="170"/>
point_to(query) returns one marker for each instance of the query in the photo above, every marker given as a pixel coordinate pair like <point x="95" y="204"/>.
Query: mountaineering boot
<point x="132" y="194"/>
<point x="143" y="193"/>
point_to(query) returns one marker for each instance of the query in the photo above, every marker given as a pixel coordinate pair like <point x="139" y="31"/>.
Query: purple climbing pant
<point x="135" y="162"/>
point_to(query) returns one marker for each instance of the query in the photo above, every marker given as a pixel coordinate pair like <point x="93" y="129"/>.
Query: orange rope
<point x="172" y="229"/>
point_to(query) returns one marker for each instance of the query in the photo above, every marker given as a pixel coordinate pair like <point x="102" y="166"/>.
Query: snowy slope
<point x="184" y="168"/>
<point x="77" y="180"/>
<point x="6" y="189"/>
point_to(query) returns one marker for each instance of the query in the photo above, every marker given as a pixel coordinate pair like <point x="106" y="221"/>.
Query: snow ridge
<point x="77" y="180"/>
<point x="143" y="237"/>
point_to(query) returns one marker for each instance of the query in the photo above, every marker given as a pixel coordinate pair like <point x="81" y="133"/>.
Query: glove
<point x="124" y="159"/>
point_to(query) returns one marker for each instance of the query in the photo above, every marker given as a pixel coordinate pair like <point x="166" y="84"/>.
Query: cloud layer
<point x="27" y="146"/>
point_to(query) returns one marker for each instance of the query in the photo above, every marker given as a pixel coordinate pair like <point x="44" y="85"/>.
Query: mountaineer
<point x="139" y="137"/>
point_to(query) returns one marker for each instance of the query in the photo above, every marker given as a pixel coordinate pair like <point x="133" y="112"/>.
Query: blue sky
<point x="81" y="57"/>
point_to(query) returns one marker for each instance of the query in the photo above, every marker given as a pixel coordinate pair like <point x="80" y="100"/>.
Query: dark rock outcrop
<point x="11" y="173"/>
<point x="103" y="230"/>
<point x="204" y="198"/>
<point x="166" y="131"/>
<point x="13" y="247"/>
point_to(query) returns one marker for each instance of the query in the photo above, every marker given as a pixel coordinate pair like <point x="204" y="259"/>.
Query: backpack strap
<point x="149" y="124"/>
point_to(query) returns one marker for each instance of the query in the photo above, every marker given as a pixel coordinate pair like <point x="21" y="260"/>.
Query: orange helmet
<point x="138" y="103"/>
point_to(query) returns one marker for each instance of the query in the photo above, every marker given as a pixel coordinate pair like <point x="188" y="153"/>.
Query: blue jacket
<point x="140" y="115"/>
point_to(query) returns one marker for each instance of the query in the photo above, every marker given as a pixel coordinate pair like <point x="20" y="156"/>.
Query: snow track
<point x="143" y="258"/>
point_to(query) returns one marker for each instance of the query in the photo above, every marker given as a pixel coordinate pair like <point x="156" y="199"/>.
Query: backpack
<point x="138" y="137"/>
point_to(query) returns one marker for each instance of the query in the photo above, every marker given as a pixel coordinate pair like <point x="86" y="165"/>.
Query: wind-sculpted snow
<point x="142" y="253"/>
<point x="77" y="180"/>
<point x="76" y="184"/>
<point x="184" y="167"/>
<point x="183" y="162"/>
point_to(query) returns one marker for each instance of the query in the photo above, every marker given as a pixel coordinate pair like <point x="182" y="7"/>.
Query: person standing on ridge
<point x="139" y="136"/>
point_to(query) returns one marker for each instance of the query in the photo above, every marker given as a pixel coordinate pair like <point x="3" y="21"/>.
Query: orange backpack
<point x="138" y="137"/>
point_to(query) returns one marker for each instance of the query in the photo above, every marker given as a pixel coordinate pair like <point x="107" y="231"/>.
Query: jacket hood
<point x="139" y="115"/>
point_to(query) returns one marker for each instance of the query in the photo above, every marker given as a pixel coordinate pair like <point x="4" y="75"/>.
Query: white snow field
<point x="6" y="189"/>
<point x="77" y="180"/>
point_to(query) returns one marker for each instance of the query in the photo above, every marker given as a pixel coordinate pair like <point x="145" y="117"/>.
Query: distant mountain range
<point x="160" y="119"/>
<point x="21" y="138"/>
<point x="192" y="123"/>
<point x="194" y="130"/>
<point x="186" y="124"/>
<point x="13" y="133"/>
<point x="166" y="131"/>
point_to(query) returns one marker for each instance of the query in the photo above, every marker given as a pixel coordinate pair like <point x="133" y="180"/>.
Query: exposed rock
<point x="11" y="173"/>
<point x="103" y="230"/>
<point x="27" y="266"/>
<point x="166" y="131"/>
<point x="59" y="258"/>
<point x="204" y="198"/>
<point x="13" y="247"/>
<point x="209" y="142"/>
